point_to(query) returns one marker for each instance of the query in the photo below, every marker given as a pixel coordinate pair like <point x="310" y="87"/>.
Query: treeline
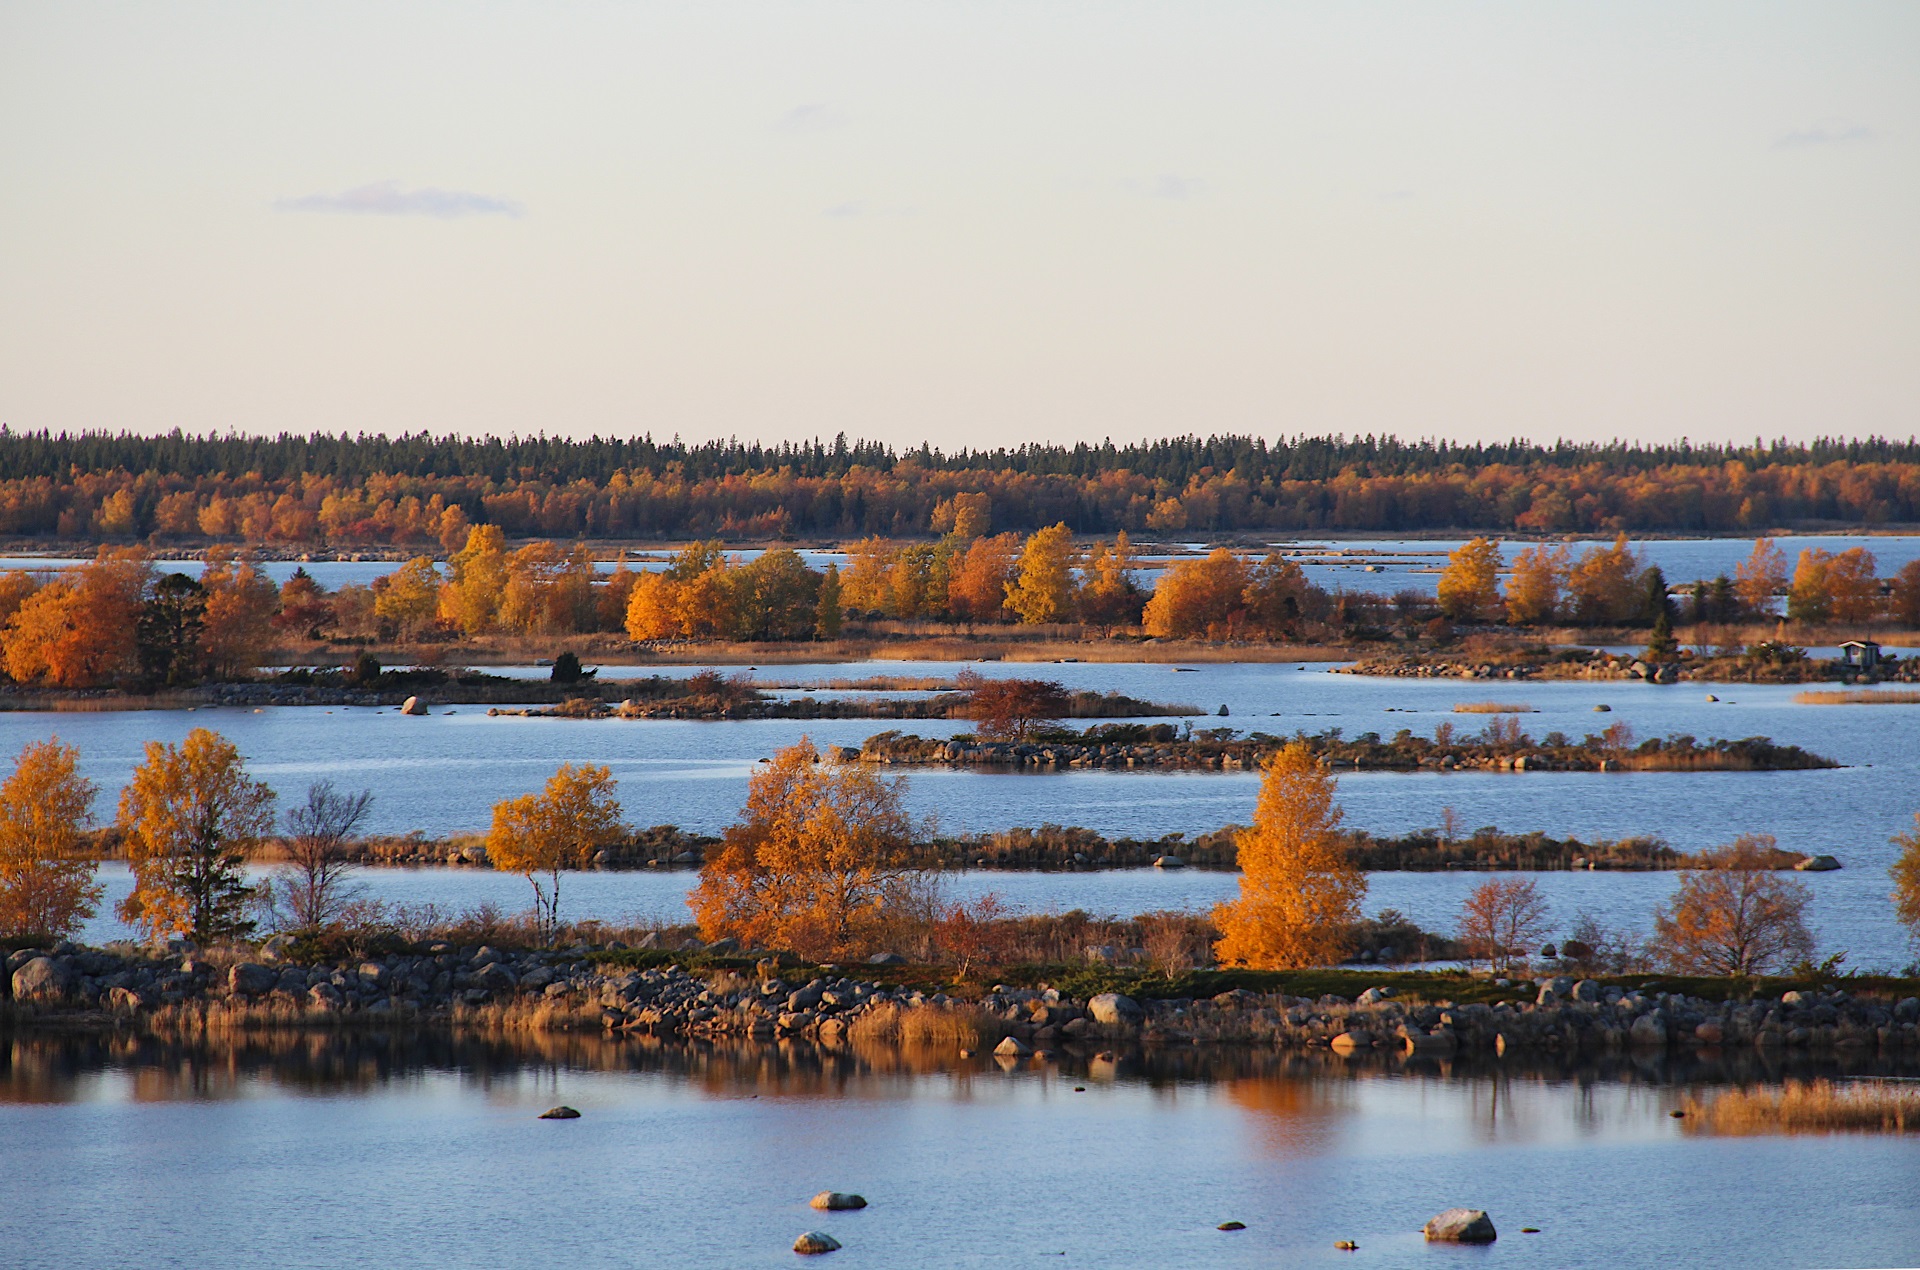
<point x="1614" y="585"/>
<point x="420" y="489"/>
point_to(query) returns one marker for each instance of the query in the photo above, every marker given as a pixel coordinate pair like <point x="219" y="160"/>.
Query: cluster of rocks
<point x="1403" y="753"/>
<point x="1566" y="1017"/>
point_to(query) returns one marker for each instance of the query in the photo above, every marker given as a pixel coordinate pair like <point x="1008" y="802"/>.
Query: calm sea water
<point x="370" y="1151"/>
<point x="443" y="773"/>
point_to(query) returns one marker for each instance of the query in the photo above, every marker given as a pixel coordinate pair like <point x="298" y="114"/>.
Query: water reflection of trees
<point x="1295" y="1094"/>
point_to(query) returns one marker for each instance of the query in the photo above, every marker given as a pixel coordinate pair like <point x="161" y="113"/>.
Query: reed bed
<point x="1493" y="707"/>
<point x="928" y="1026"/>
<point x="1863" y="697"/>
<point x="1816" y="1107"/>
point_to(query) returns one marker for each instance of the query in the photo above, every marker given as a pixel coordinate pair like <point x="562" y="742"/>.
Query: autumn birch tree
<point x="819" y="862"/>
<point x="1469" y="588"/>
<point x="555" y="830"/>
<point x="1734" y="915"/>
<point x="189" y="817"/>
<point x="46" y="806"/>
<point x="1299" y="895"/>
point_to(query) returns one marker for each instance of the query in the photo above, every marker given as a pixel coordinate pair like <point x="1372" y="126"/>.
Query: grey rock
<point x="1169" y="862"/>
<point x="837" y="1201"/>
<point x="250" y="980"/>
<point x="1012" y="1047"/>
<point x="1111" y="1008"/>
<point x="1817" y="864"/>
<point x="559" y="1113"/>
<point x="1586" y="990"/>
<point x="1461" y="1226"/>
<point x="277" y="948"/>
<point x="40" y="980"/>
<point x="413" y="705"/>
<point x="813" y="1242"/>
<point x="886" y="959"/>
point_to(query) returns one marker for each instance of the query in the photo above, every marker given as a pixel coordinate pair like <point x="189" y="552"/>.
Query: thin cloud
<point x="814" y="116"/>
<point x="845" y="211"/>
<point x="1831" y="134"/>
<point x="386" y="198"/>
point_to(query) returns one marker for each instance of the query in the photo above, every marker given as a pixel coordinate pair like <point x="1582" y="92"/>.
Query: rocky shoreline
<point x="612" y="992"/>
<point x="1603" y="666"/>
<point x="1402" y="753"/>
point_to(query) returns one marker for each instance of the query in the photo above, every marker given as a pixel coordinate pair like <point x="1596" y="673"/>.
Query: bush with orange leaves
<point x="1299" y="895"/>
<point x="820" y="862"/>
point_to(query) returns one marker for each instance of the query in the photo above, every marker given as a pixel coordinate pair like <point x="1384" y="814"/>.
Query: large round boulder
<point x="813" y="1242"/>
<point x="39" y="980"/>
<point x="1111" y="1008"/>
<point x="837" y="1201"/>
<point x="247" y="979"/>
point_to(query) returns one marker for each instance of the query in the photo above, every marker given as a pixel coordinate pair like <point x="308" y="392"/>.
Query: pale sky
<point x="968" y="223"/>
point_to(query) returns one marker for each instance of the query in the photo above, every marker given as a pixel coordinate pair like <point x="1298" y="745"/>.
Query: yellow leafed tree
<point x="46" y="889"/>
<point x="555" y="830"/>
<point x="189" y="816"/>
<point x="1299" y="895"/>
<point x="1042" y="588"/>
<point x="1470" y="584"/>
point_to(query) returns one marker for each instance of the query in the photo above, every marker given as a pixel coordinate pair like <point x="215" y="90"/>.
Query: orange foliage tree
<point x="476" y="579"/>
<point x="977" y="591"/>
<point x="1601" y="585"/>
<point x="555" y="830"/>
<point x="238" y="620"/>
<point x="1299" y="894"/>
<point x="1109" y="597"/>
<point x="1197" y="598"/>
<point x="1734" y="915"/>
<point x="1469" y="586"/>
<point x="46" y="889"/>
<point x="1533" y="590"/>
<point x="189" y="817"/>
<point x="1906" y="878"/>
<point x="1502" y="920"/>
<point x="820" y="861"/>
<point x="1761" y="576"/>
<point x="78" y="631"/>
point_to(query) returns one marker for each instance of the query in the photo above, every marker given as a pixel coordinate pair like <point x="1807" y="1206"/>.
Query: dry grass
<point x="1818" y="1107"/>
<point x="1493" y="707"/>
<point x="929" y="1026"/>
<point x="1895" y="697"/>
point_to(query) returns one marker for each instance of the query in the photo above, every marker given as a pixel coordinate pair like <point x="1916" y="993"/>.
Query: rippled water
<point x="332" y="1151"/>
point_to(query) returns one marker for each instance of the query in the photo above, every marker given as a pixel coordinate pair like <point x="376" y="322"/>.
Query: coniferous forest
<point x="417" y="489"/>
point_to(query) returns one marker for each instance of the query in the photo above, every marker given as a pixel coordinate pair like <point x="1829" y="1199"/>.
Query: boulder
<point x="886" y="959"/>
<point x="813" y="1242"/>
<point x="1012" y="1047"/>
<point x="1169" y="862"/>
<point x="1110" y="1008"/>
<point x="1649" y="1029"/>
<point x="559" y="1113"/>
<point x="1373" y="996"/>
<point x="1586" y="990"/>
<point x="278" y="948"/>
<point x="250" y="980"/>
<point x="413" y="705"/>
<point x="1817" y="864"/>
<point x="1461" y="1226"/>
<point x="837" y="1201"/>
<point x="1354" y="1039"/>
<point x="39" y="980"/>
